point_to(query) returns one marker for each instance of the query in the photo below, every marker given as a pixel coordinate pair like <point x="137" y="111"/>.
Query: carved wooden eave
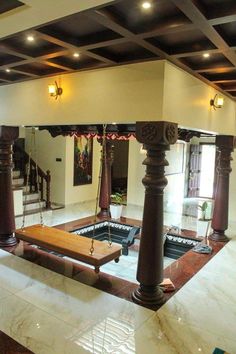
<point x="113" y="131"/>
<point x="96" y="130"/>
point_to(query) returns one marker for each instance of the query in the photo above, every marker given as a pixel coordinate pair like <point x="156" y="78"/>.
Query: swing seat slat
<point x="70" y="245"/>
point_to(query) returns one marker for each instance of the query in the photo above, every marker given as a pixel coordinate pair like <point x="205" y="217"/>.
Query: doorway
<point x="207" y="170"/>
<point x="201" y="170"/>
<point x="119" y="171"/>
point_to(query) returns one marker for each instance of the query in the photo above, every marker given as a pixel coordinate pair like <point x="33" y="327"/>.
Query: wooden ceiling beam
<point x="191" y="54"/>
<point x="54" y="65"/>
<point x="233" y="89"/>
<point x="222" y="20"/>
<point x="73" y="48"/>
<point x="223" y="81"/>
<point x="106" y="21"/>
<point x="199" y="20"/>
<point x="25" y="73"/>
<point x="216" y="70"/>
<point x="165" y="29"/>
<point x="6" y="81"/>
<point x="9" y="51"/>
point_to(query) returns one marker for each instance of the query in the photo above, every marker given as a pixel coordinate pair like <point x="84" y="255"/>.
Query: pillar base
<point x="218" y="236"/>
<point x="104" y="213"/>
<point x="7" y="240"/>
<point x="148" y="295"/>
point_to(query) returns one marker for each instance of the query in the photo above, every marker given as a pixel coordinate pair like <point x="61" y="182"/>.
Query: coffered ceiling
<point x="196" y="35"/>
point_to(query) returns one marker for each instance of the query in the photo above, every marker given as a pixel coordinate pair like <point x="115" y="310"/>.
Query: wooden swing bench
<point x="70" y="245"/>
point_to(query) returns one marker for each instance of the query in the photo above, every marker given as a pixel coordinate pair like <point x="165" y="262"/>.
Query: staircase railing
<point x="21" y="159"/>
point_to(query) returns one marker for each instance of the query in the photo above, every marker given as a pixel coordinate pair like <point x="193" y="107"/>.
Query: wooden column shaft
<point x="225" y="146"/>
<point x="156" y="137"/>
<point x="7" y="217"/>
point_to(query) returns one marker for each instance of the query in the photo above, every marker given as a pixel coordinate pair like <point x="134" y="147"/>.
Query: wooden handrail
<point x="22" y="161"/>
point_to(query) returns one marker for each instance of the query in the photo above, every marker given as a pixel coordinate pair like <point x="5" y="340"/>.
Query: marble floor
<point x="49" y="313"/>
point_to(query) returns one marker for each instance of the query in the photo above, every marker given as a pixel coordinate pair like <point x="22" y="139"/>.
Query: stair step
<point x="30" y="196"/>
<point x="35" y="205"/>
<point x="18" y="181"/>
<point x="34" y="211"/>
<point x="16" y="174"/>
<point x="32" y="201"/>
<point x="26" y="190"/>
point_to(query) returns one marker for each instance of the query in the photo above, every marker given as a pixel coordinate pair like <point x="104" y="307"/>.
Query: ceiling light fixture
<point x="146" y="5"/>
<point x="217" y="102"/>
<point x="76" y="55"/>
<point x="54" y="90"/>
<point x="30" y="38"/>
<point x="206" y="55"/>
<point x="8" y="70"/>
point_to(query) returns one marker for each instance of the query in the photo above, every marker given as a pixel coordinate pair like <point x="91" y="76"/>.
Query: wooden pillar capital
<point x="156" y="137"/>
<point x="156" y="133"/>
<point x="225" y="145"/>
<point x="7" y="219"/>
<point x="8" y="134"/>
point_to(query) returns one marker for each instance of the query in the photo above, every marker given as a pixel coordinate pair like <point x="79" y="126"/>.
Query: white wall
<point x="232" y="190"/>
<point x="74" y="194"/>
<point x="173" y="193"/>
<point x="62" y="189"/>
<point x="136" y="171"/>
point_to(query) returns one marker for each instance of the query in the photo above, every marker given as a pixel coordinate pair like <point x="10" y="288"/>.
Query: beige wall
<point x="123" y="94"/>
<point x="146" y="91"/>
<point x="187" y="102"/>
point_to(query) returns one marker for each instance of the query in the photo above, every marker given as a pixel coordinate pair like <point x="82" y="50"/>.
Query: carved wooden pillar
<point x="156" y="138"/>
<point x="105" y="192"/>
<point x="7" y="217"/>
<point x="225" y="146"/>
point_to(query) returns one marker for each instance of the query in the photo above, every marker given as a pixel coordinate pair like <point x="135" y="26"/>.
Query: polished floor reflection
<point x="48" y="312"/>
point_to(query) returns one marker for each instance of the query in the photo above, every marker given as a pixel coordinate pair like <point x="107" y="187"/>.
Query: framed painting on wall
<point x="83" y="160"/>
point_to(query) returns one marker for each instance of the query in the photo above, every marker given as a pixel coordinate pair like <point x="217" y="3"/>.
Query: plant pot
<point x="203" y="227"/>
<point x="116" y="211"/>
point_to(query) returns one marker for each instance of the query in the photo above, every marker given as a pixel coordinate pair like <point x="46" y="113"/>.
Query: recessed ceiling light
<point x="206" y="55"/>
<point x="8" y="70"/>
<point x="30" y="38"/>
<point x="76" y="55"/>
<point x="146" y="5"/>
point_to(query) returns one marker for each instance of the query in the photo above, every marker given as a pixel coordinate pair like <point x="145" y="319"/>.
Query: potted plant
<point x="116" y="205"/>
<point x="203" y="222"/>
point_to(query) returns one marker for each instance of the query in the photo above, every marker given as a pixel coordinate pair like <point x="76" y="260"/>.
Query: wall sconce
<point x="54" y="90"/>
<point x="217" y="102"/>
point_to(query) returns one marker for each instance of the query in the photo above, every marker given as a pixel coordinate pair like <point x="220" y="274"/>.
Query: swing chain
<point x="92" y="247"/>
<point x="102" y="158"/>
<point x="37" y="182"/>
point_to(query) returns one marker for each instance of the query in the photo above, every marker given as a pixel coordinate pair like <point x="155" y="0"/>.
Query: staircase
<point x="29" y="199"/>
